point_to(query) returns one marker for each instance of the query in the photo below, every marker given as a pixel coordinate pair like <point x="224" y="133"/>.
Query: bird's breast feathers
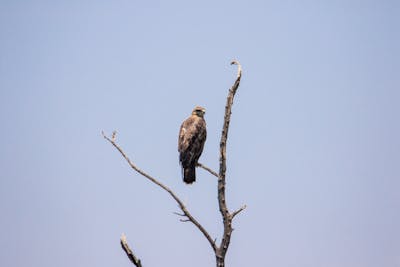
<point x="192" y="128"/>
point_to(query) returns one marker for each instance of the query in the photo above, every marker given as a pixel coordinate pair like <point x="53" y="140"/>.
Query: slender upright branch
<point x="226" y="216"/>
<point x="129" y="253"/>
<point x="173" y="195"/>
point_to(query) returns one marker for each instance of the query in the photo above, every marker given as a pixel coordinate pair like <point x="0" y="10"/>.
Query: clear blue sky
<point x="314" y="147"/>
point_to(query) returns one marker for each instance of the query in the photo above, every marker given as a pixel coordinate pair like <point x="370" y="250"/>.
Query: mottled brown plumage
<point x="192" y="136"/>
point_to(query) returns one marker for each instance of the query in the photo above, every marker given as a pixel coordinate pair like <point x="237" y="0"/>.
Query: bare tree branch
<point x="179" y="214"/>
<point x="238" y="211"/>
<point x="207" y="169"/>
<point x="174" y="196"/>
<point x="129" y="253"/>
<point x="226" y="216"/>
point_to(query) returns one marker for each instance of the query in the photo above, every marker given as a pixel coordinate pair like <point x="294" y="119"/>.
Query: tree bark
<point x="220" y="261"/>
<point x="226" y="215"/>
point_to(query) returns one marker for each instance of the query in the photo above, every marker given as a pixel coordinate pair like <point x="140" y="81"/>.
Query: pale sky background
<point x="313" y="150"/>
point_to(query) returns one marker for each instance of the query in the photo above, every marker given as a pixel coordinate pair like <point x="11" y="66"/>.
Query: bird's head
<point x="199" y="111"/>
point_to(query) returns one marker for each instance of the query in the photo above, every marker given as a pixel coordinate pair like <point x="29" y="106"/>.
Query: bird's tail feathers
<point x="189" y="175"/>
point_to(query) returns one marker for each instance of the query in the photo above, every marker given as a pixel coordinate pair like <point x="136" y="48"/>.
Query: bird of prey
<point x="192" y="136"/>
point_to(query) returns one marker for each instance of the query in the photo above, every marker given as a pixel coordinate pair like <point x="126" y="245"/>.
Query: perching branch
<point x="174" y="196"/>
<point x="129" y="253"/>
<point x="207" y="169"/>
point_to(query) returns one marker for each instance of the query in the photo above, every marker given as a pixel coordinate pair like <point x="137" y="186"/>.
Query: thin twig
<point x="179" y="214"/>
<point x="174" y="196"/>
<point x="129" y="253"/>
<point x="238" y="211"/>
<point x="207" y="169"/>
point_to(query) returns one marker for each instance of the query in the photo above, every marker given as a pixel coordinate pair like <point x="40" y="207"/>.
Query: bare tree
<point x="227" y="216"/>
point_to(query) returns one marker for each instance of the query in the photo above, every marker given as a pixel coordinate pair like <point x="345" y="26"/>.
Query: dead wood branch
<point x="226" y="216"/>
<point x="129" y="253"/>
<point x="173" y="195"/>
<point x="238" y="211"/>
<point x="207" y="169"/>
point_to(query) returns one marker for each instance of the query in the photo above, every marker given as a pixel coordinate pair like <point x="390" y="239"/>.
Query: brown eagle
<point x="192" y="136"/>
